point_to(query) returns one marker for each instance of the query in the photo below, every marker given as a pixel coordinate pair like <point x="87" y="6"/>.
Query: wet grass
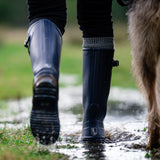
<point x="20" y="145"/>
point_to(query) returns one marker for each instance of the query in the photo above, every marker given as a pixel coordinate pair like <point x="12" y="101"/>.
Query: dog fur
<point x="144" y="33"/>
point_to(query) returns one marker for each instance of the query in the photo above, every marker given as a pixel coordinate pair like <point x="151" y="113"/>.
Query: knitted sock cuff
<point x="98" y="42"/>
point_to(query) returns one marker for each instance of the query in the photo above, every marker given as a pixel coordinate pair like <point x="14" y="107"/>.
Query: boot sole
<point x="93" y="140"/>
<point x="44" y="118"/>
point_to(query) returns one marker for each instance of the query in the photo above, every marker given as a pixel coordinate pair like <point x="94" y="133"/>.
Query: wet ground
<point x="125" y="124"/>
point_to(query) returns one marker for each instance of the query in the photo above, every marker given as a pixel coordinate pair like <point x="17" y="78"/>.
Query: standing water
<point x="125" y="124"/>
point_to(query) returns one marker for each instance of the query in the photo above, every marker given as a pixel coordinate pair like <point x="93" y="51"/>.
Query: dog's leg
<point x="149" y="83"/>
<point x="147" y="79"/>
<point x="154" y="114"/>
<point x="145" y="71"/>
<point x="145" y="45"/>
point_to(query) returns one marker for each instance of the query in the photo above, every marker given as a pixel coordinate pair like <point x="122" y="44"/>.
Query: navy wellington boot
<point x="97" y="70"/>
<point x="44" y="45"/>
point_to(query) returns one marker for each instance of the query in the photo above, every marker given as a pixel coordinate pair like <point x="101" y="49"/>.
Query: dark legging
<point x="94" y="16"/>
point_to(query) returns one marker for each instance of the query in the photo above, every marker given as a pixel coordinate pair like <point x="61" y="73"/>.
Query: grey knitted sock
<point x="98" y="42"/>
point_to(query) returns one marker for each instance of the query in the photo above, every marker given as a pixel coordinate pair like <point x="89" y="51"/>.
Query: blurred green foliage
<point x="15" y="12"/>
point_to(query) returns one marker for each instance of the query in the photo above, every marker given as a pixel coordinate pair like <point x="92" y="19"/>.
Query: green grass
<point x="16" y="73"/>
<point x="71" y="59"/>
<point x="20" y="145"/>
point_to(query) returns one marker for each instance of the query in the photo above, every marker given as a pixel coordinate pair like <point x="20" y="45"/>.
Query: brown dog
<point x="144" y="33"/>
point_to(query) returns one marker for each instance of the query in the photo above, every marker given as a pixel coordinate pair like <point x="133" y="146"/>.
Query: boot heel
<point x="44" y="116"/>
<point x="45" y="90"/>
<point x="93" y="131"/>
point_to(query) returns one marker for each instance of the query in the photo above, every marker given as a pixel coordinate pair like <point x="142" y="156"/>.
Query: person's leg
<point x="94" y="18"/>
<point x="54" y="10"/>
<point x="47" y="21"/>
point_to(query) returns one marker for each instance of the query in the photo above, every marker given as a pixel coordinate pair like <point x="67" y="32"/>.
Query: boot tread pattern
<point x="44" y="116"/>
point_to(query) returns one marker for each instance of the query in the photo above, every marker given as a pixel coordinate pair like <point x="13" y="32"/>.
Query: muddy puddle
<point x="125" y="124"/>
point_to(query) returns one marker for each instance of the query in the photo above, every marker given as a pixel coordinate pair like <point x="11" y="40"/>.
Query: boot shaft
<point x="97" y="71"/>
<point x="44" y="41"/>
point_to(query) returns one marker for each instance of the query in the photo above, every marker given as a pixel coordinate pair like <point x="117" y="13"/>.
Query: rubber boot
<point x="44" y="45"/>
<point x="97" y="70"/>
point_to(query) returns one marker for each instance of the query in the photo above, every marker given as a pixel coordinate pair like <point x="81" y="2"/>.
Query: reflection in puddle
<point x="125" y="125"/>
<point x="94" y="150"/>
